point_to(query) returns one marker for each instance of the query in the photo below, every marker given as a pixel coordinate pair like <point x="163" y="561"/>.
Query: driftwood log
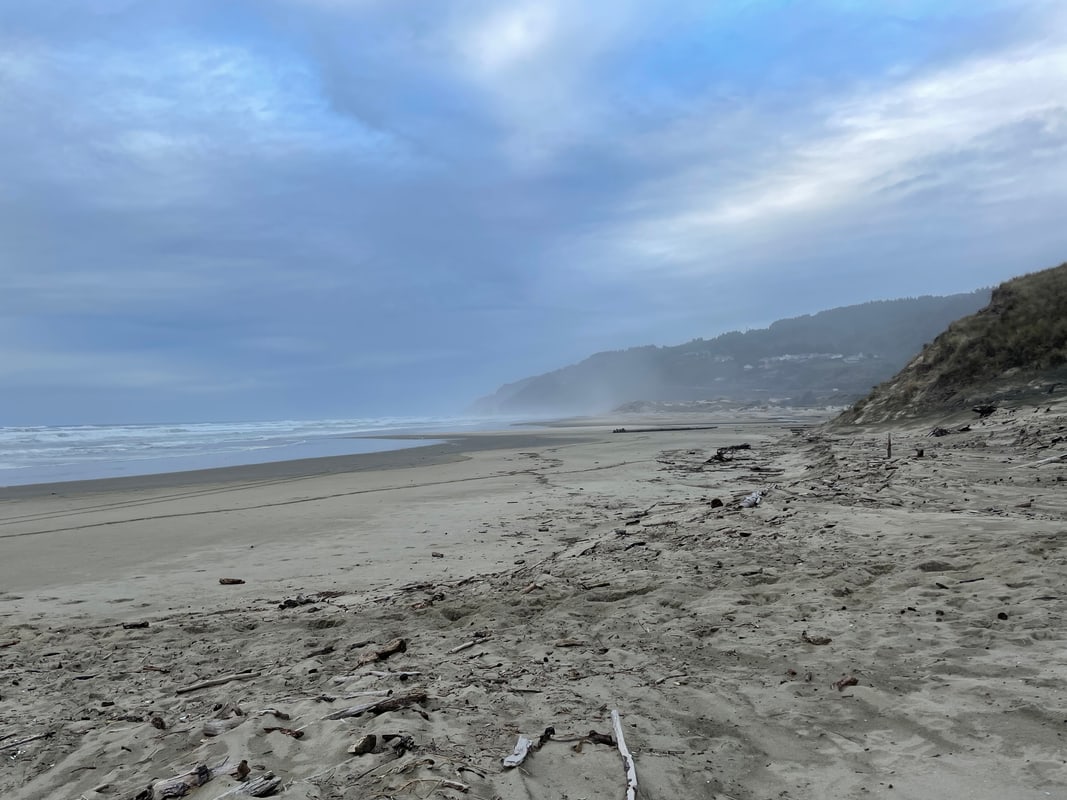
<point x="181" y="785"/>
<point x="237" y="676"/>
<point x="263" y="786"/>
<point x="1049" y="460"/>
<point x="381" y="706"/>
<point x="27" y="740"/>
<point x="395" y="646"/>
<point x="399" y="675"/>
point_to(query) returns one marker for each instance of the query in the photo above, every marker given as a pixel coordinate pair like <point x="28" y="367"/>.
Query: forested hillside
<point x="834" y="356"/>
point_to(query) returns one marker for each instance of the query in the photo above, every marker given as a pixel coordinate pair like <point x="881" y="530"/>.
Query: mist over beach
<point x="533" y="400"/>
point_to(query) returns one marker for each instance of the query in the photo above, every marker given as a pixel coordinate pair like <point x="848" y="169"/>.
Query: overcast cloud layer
<point x="299" y="208"/>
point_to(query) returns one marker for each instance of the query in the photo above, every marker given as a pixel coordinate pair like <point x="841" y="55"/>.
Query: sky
<point x="265" y="209"/>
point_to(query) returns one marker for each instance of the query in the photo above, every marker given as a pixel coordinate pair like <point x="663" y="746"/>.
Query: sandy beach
<point x="876" y="627"/>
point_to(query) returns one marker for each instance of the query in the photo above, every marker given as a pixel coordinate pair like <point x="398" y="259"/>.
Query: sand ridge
<point x="578" y="578"/>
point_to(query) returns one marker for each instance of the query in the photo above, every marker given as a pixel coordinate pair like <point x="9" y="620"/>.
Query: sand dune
<point x="580" y="573"/>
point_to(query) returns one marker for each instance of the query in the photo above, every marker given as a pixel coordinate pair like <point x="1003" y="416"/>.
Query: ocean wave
<point x="35" y="447"/>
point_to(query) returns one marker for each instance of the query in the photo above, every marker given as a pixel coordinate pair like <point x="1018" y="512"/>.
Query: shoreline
<point x="441" y="449"/>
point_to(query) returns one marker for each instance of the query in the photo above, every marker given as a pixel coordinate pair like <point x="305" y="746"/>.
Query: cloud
<point x="927" y="131"/>
<point x="359" y="203"/>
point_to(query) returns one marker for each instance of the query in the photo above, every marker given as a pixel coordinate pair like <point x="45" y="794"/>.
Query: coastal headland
<point x="881" y="623"/>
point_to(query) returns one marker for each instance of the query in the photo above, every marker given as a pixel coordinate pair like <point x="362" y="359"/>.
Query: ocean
<point x="54" y="453"/>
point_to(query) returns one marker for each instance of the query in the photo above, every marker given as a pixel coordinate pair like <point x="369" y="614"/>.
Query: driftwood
<point x="1049" y="460"/>
<point x="296" y="734"/>
<point x="27" y="740"/>
<point x="442" y="783"/>
<point x="525" y="745"/>
<point x="237" y="676"/>
<point x="181" y="785"/>
<point x="263" y="786"/>
<point x="720" y="454"/>
<point x="386" y="674"/>
<point x="231" y="581"/>
<point x="368" y="693"/>
<point x="380" y="706"/>
<point x="599" y="738"/>
<point x="395" y="646"/>
<point x="666" y="430"/>
<point x="754" y="499"/>
<point x="130" y="626"/>
<point x="217" y="727"/>
<point x="518" y="755"/>
<point x="293" y="602"/>
<point x="627" y="759"/>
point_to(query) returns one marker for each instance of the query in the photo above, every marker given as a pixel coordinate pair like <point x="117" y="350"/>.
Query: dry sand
<point x="592" y="572"/>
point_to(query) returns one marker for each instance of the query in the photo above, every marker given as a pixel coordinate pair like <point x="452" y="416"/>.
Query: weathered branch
<point x="627" y="759"/>
<point x="1049" y="460"/>
<point x="181" y="785"/>
<point x="380" y="706"/>
<point x="262" y="786"/>
<point x="27" y="740"/>
<point x="237" y="676"/>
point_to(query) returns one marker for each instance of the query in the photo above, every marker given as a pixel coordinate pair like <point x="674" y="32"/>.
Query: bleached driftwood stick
<point x="518" y="755"/>
<point x="442" y="783"/>
<point x="460" y="648"/>
<point x="27" y="740"/>
<point x="627" y="759"/>
<point x="237" y="676"/>
<point x="351" y="711"/>
<point x="1049" y="460"/>
<point x="368" y="693"/>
